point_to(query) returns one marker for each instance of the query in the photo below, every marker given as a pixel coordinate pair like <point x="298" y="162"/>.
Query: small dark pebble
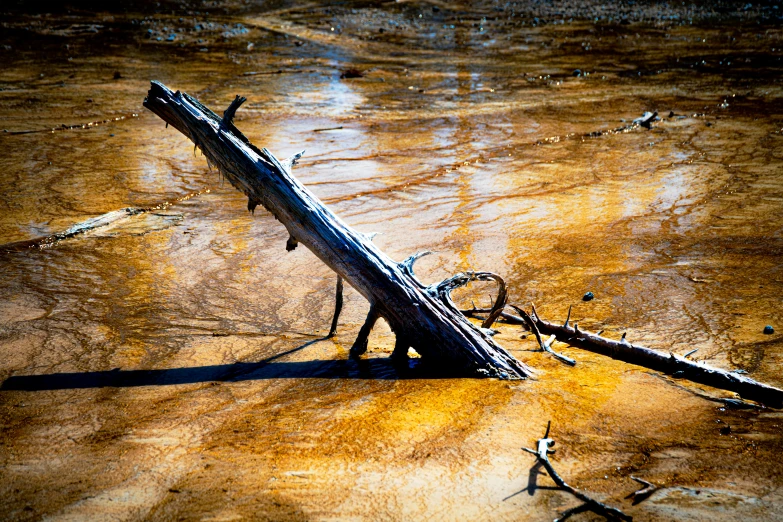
<point x="172" y="490"/>
<point x="111" y="135"/>
<point x="117" y="75"/>
<point x="588" y="296"/>
<point x="671" y="114"/>
<point x="577" y="73"/>
<point x="725" y="430"/>
<point x="768" y="330"/>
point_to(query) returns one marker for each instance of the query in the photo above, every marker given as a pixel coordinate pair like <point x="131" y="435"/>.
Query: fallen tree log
<point x="422" y="318"/>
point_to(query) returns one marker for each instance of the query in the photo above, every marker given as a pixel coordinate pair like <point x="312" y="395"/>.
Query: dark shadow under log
<point x="438" y="332"/>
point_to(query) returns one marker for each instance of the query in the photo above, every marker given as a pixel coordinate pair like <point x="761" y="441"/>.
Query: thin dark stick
<point x="360" y="344"/>
<point x="338" y="306"/>
<point x="500" y="302"/>
<point x="507" y="317"/>
<point x="641" y="494"/>
<point x="565" y="515"/>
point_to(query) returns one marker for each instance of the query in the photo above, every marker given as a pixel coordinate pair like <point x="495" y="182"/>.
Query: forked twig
<point x="542" y="454"/>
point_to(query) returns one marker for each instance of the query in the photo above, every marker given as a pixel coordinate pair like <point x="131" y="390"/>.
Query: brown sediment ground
<point x="169" y="363"/>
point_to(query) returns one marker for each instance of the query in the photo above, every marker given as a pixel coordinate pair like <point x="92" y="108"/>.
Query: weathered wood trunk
<point x="420" y="317"/>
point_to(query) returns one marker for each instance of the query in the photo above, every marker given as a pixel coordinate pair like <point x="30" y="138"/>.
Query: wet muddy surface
<point x="163" y="357"/>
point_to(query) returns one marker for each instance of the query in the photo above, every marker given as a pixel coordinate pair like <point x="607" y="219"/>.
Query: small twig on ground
<point x="328" y="129"/>
<point x="641" y="494"/>
<point x="542" y="454"/>
<point x="278" y="71"/>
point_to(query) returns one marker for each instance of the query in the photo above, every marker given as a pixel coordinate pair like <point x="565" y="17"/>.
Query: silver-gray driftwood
<point x="422" y="318"/>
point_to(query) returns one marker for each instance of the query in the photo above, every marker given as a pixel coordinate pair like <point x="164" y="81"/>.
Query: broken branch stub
<point x="437" y="331"/>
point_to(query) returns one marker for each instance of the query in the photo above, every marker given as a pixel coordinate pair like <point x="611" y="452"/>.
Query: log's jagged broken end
<point x="228" y="114"/>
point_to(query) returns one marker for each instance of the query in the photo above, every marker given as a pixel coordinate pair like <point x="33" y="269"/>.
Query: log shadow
<point x="380" y="368"/>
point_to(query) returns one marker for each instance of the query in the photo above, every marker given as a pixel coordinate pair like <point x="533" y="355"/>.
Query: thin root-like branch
<point x="542" y="454"/>
<point x="641" y="494"/>
<point x="443" y="291"/>
<point x="477" y="313"/>
<point x="500" y="302"/>
<point x="360" y="344"/>
<point x="338" y="306"/>
<point x="545" y="346"/>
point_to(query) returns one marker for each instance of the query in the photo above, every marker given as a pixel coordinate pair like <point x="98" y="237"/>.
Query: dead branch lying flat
<point x="669" y="363"/>
<point x="677" y="366"/>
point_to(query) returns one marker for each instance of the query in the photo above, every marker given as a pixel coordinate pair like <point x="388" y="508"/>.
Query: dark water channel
<point x="162" y="356"/>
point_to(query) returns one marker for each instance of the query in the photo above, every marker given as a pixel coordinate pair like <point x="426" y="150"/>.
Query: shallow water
<point x="170" y="363"/>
